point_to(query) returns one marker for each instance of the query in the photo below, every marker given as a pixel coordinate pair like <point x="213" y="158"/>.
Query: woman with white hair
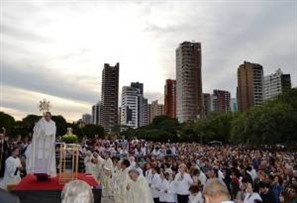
<point x="77" y="191"/>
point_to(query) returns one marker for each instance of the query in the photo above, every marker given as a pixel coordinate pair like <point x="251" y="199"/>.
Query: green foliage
<point x="163" y="128"/>
<point x="7" y="122"/>
<point x="29" y="121"/>
<point x="61" y="124"/>
<point x="273" y="122"/>
<point x="90" y="130"/>
<point x="70" y="138"/>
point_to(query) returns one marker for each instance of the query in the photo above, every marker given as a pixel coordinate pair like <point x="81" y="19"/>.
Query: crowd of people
<point x="132" y="171"/>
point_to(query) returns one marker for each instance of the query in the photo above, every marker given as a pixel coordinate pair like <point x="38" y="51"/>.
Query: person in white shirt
<point x="250" y="195"/>
<point x="148" y="173"/>
<point x="13" y="168"/>
<point x="170" y="189"/>
<point x="154" y="183"/>
<point x="162" y="187"/>
<point x="196" y="195"/>
<point x="215" y="190"/>
<point x="183" y="182"/>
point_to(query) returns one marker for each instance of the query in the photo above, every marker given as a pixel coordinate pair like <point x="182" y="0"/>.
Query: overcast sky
<point x="56" y="49"/>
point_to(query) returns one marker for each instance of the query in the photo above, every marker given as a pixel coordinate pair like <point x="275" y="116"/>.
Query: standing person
<point x="107" y="173"/>
<point x="138" y="189"/>
<point x="162" y="187"/>
<point x="4" y="150"/>
<point x="170" y="190"/>
<point x="266" y="193"/>
<point x="88" y="162"/>
<point x="148" y="172"/>
<point x="116" y="174"/>
<point x="124" y="181"/>
<point x="13" y="168"/>
<point x="43" y="157"/>
<point x="95" y="165"/>
<point x="196" y="195"/>
<point x="250" y="195"/>
<point x="183" y="182"/>
<point x="154" y="183"/>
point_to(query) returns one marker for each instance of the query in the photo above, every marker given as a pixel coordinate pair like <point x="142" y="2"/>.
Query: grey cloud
<point x="48" y="82"/>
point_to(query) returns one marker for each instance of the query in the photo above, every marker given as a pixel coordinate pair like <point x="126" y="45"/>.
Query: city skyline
<point x="57" y="50"/>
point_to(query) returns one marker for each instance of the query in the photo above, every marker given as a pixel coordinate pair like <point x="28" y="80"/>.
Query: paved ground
<point x="106" y="200"/>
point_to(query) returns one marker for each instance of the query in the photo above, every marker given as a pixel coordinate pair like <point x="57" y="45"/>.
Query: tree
<point x="29" y="122"/>
<point x="90" y="130"/>
<point x="61" y="124"/>
<point x="8" y="122"/>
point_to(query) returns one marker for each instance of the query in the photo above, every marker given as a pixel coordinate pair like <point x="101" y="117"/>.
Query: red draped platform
<point x="29" y="190"/>
<point x="30" y="183"/>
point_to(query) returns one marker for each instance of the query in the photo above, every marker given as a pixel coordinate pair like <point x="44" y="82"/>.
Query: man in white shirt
<point x="183" y="182"/>
<point x="154" y="183"/>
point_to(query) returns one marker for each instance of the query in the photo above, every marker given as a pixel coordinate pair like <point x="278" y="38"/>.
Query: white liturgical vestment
<point x="11" y="174"/>
<point x="139" y="191"/>
<point x="42" y="156"/>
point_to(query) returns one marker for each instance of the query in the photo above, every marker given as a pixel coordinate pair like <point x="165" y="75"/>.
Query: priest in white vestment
<point x="13" y="168"/>
<point x="124" y="181"/>
<point x="138" y="189"/>
<point x="43" y="155"/>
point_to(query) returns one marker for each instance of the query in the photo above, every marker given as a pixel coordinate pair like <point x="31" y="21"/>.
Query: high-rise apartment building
<point x="170" y="98"/>
<point x="86" y="119"/>
<point x="133" y="106"/>
<point x="189" y="81"/>
<point x="96" y="112"/>
<point x="275" y="84"/>
<point x="129" y="107"/>
<point x="222" y="101"/>
<point x="110" y="94"/>
<point x="249" y="85"/>
<point x="234" y="105"/>
<point x="207" y="103"/>
<point x="155" y="109"/>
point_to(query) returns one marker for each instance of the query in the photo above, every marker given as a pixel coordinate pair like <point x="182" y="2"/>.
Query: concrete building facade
<point x="170" y="98"/>
<point x="155" y="109"/>
<point x="110" y="95"/>
<point x="96" y="112"/>
<point x="189" y="81"/>
<point x="249" y="85"/>
<point x="275" y="84"/>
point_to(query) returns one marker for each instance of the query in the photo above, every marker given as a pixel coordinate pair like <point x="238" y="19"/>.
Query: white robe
<point x="124" y="181"/>
<point x="43" y="156"/>
<point x="139" y="191"/>
<point x="116" y="175"/>
<point x="88" y="164"/>
<point x="10" y="177"/>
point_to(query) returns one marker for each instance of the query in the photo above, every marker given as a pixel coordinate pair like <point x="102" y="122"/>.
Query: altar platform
<point x="29" y="190"/>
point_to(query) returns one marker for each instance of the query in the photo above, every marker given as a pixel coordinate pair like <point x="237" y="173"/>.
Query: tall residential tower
<point x="249" y="85"/>
<point x="170" y="98"/>
<point x="110" y="95"/>
<point x="275" y="84"/>
<point x="189" y="81"/>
